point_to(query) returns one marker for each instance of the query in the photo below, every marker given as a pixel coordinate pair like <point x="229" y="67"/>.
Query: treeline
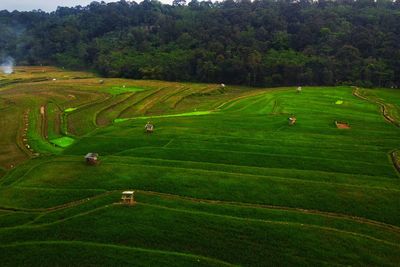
<point x="259" y="43"/>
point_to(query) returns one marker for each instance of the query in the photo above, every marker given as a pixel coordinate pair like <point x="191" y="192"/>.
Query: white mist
<point x="7" y="66"/>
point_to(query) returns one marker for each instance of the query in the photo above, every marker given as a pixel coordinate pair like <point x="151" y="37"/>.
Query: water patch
<point x="63" y="141"/>
<point x="70" y="110"/>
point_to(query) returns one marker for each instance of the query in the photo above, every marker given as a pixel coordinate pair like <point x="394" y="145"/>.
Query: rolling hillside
<point x="223" y="180"/>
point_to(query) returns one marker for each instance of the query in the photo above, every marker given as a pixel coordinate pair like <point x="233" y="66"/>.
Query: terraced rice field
<point x="223" y="180"/>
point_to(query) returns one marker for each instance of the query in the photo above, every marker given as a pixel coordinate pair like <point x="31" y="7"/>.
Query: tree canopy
<point x="259" y="43"/>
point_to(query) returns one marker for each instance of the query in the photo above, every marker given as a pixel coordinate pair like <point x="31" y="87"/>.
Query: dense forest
<point x="259" y="43"/>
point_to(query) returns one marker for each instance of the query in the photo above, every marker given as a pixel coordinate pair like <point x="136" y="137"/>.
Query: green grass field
<point x="63" y="141"/>
<point x="223" y="180"/>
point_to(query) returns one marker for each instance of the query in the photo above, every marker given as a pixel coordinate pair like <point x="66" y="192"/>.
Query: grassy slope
<point x="240" y="185"/>
<point x="95" y="254"/>
<point x="240" y="235"/>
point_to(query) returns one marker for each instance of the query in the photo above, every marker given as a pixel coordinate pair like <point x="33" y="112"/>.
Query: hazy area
<point x="45" y="5"/>
<point x="7" y="65"/>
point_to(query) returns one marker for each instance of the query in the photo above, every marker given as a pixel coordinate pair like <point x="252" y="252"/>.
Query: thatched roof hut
<point x="91" y="158"/>
<point x="149" y="127"/>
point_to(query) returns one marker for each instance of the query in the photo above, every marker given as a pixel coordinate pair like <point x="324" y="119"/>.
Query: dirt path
<point x="384" y="108"/>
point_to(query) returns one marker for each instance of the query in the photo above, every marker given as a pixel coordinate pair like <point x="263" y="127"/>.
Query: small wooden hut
<point x="149" y="127"/>
<point x="92" y="158"/>
<point x="342" y="125"/>
<point x="292" y="120"/>
<point x="128" y="197"/>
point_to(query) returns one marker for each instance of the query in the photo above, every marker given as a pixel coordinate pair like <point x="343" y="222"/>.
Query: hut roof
<point x="128" y="192"/>
<point x="91" y="155"/>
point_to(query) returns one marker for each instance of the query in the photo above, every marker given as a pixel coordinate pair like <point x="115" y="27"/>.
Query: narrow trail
<point x="386" y="226"/>
<point x="288" y="223"/>
<point x="63" y="206"/>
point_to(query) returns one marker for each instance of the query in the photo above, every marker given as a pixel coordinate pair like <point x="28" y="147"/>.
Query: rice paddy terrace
<point x="223" y="179"/>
